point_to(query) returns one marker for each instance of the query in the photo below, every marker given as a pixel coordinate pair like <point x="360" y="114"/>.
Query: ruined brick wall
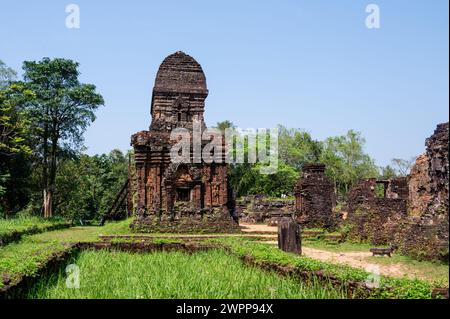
<point x="398" y="188"/>
<point x="438" y="168"/>
<point x="259" y="209"/>
<point x="374" y="219"/>
<point x="414" y="213"/>
<point x="426" y="231"/>
<point x="419" y="186"/>
<point x="362" y="192"/>
<point x="315" y="198"/>
<point x="261" y="204"/>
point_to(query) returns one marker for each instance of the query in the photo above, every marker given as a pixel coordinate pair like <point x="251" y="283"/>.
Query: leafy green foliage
<point x="6" y="74"/>
<point x="297" y="148"/>
<point x="61" y="111"/>
<point x="346" y="161"/>
<point x="13" y="120"/>
<point x="282" y="182"/>
<point x="222" y="126"/>
<point x="388" y="172"/>
<point x="14" y="146"/>
<point x="86" y="187"/>
<point x="344" y="157"/>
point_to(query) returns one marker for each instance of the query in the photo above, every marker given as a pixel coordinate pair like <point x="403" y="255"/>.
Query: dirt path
<point x="354" y="259"/>
<point x="258" y="228"/>
<point x="358" y="259"/>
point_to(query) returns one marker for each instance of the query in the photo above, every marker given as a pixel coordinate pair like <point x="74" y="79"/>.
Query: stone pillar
<point x="196" y="197"/>
<point x="141" y="191"/>
<point x="289" y="236"/>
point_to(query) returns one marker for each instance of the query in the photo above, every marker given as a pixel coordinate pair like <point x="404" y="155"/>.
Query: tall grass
<point x="210" y="274"/>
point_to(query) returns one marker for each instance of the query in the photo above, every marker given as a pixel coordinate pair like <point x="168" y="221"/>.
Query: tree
<point x="14" y="146"/>
<point x="297" y="147"/>
<point x="282" y="182"/>
<point x="403" y="166"/>
<point x="222" y="126"/>
<point x="388" y="172"/>
<point x="6" y="74"/>
<point x="61" y="112"/>
<point x="346" y="161"/>
<point x="13" y="120"/>
<point x="88" y="185"/>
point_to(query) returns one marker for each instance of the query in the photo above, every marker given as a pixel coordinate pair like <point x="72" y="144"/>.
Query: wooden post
<point x="289" y="236"/>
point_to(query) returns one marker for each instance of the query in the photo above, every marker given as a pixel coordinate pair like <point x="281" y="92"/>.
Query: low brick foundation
<point x="216" y="222"/>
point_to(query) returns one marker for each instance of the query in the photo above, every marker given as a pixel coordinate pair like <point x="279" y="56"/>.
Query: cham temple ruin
<point x="409" y="212"/>
<point x="173" y="196"/>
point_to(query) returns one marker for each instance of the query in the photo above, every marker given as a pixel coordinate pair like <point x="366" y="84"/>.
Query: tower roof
<point x="180" y="73"/>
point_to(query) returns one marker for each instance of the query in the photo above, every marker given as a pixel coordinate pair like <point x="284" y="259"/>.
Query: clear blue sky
<point x="305" y="64"/>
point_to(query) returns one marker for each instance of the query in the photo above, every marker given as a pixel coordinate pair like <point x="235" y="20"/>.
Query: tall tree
<point x="61" y="112"/>
<point x="6" y="74"/>
<point x="296" y="147"/>
<point x="403" y="166"/>
<point x="346" y="161"/>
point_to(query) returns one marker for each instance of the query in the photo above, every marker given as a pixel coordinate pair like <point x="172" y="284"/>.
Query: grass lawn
<point x="434" y="271"/>
<point x="210" y="274"/>
<point x="12" y="229"/>
<point x="335" y="247"/>
<point x="25" y="258"/>
<point x="83" y="233"/>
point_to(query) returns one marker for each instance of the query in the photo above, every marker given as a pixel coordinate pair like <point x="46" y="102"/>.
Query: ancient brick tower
<point x="315" y="198"/>
<point x="178" y="197"/>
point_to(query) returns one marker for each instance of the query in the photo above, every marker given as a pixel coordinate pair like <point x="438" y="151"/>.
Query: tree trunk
<point x="45" y="202"/>
<point x="51" y="180"/>
<point x="48" y="198"/>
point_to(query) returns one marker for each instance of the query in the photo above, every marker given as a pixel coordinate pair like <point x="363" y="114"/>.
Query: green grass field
<point x="27" y="256"/>
<point x="28" y="225"/>
<point x="211" y="274"/>
<point x="336" y="247"/>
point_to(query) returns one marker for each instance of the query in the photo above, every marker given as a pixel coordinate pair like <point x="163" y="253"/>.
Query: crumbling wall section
<point x="413" y="215"/>
<point x="315" y="198"/>
<point x="426" y="235"/>
<point x="420" y="195"/>
<point x="374" y="219"/>
<point x="438" y="169"/>
<point x="398" y="188"/>
<point x="258" y="209"/>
